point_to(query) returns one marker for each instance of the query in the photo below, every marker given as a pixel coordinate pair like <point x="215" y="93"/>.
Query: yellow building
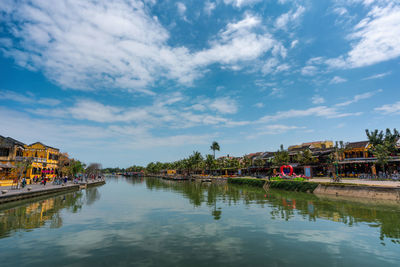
<point x="357" y="150"/>
<point x="171" y="172"/>
<point x="312" y="145"/>
<point x="44" y="160"/>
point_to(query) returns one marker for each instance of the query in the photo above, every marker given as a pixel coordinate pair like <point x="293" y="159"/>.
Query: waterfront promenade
<point x="394" y="184"/>
<point x="8" y="194"/>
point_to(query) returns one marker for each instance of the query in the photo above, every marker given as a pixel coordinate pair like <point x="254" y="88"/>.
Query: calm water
<point x="152" y="222"/>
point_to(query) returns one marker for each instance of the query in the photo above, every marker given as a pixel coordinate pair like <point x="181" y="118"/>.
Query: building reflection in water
<point x="27" y="216"/>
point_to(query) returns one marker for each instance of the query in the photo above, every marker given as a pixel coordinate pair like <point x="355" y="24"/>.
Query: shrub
<point x="301" y="179"/>
<point x="247" y="181"/>
<point x="293" y="185"/>
<point x="277" y="178"/>
<point x="299" y="186"/>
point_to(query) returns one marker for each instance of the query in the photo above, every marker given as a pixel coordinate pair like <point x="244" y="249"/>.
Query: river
<point x="153" y="222"/>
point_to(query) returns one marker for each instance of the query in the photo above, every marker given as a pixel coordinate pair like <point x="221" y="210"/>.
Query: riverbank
<point x="346" y="189"/>
<point x="8" y="194"/>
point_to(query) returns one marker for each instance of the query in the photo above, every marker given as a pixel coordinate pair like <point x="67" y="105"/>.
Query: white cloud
<point x="224" y="105"/>
<point x="181" y="8"/>
<point x="273" y="65"/>
<point x="309" y="70"/>
<point x="374" y="39"/>
<point x="272" y="129"/>
<point x="238" y="43"/>
<point x="118" y="44"/>
<point x="259" y="105"/>
<point x="241" y="3"/>
<point x="71" y="136"/>
<point x="172" y="111"/>
<point x="357" y="98"/>
<point x="378" y="76"/>
<point x="340" y="11"/>
<point x="291" y="17"/>
<point x="294" y="43"/>
<point x="277" y="92"/>
<point x="317" y="100"/>
<point x="198" y="107"/>
<point x="389" y="108"/>
<point x="319" y="111"/>
<point x="209" y="7"/>
<point x="28" y="98"/>
<point x="337" y="79"/>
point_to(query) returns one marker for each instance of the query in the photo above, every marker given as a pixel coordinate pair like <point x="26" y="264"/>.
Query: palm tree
<point x="210" y="162"/>
<point x="214" y="146"/>
<point x="196" y="158"/>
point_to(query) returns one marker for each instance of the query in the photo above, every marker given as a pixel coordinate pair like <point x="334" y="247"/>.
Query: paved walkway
<point x="39" y="188"/>
<point x="359" y="181"/>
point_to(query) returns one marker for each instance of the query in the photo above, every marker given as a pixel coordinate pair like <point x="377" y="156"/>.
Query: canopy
<point x="6" y="165"/>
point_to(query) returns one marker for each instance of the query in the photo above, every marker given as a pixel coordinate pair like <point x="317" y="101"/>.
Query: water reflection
<point x="28" y="215"/>
<point x="149" y="221"/>
<point x="286" y="205"/>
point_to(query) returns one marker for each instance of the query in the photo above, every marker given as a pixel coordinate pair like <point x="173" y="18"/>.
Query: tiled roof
<point x="12" y="141"/>
<point x="43" y="145"/>
<point x="360" y="144"/>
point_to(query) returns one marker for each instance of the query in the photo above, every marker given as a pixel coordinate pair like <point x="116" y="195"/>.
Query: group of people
<point x="395" y="176"/>
<point x="43" y="180"/>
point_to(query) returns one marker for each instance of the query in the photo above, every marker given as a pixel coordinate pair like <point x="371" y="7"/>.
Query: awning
<point x="6" y="165"/>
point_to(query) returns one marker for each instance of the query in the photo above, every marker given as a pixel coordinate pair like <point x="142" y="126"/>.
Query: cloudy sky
<point x="127" y="82"/>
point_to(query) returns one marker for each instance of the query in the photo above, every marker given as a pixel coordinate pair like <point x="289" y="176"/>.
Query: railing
<point x="371" y="159"/>
<point x="19" y="158"/>
<point x="364" y="159"/>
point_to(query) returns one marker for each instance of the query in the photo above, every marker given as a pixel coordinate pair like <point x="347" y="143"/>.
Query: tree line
<point x="382" y="147"/>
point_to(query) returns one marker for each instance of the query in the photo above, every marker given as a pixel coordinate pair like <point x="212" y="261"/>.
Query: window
<point x="4" y="152"/>
<point x="19" y="153"/>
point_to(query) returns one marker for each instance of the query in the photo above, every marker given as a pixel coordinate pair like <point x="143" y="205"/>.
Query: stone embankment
<point x="359" y="191"/>
<point x="8" y="194"/>
<point x="371" y="190"/>
<point x="200" y="178"/>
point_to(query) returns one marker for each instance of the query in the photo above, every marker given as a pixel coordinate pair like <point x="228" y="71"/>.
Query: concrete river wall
<point x="359" y="191"/>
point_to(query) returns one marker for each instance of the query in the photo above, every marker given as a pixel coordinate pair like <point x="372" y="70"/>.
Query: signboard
<point x="307" y="171"/>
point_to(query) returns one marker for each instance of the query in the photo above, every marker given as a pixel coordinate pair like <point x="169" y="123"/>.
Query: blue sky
<point x="129" y="82"/>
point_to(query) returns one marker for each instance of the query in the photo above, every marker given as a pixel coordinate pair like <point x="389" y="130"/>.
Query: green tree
<point x="93" y="169"/>
<point x="281" y="157"/>
<point x="336" y="155"/>
<point x="382" y="144"/>
<point x="214" y="146"/>
<point x="246" y="162"/>
<point x="196" y="159"/>
<point x="22" y="167"/>
<point x="305" y="157"/>
<point x="259" y="162"/>
<point x="210" y="162"/>
<point x="76" y="167"/>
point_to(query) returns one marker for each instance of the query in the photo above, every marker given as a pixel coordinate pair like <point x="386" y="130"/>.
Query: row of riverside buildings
<point x="355" y="160"/>
<point x="43" y="159"/>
